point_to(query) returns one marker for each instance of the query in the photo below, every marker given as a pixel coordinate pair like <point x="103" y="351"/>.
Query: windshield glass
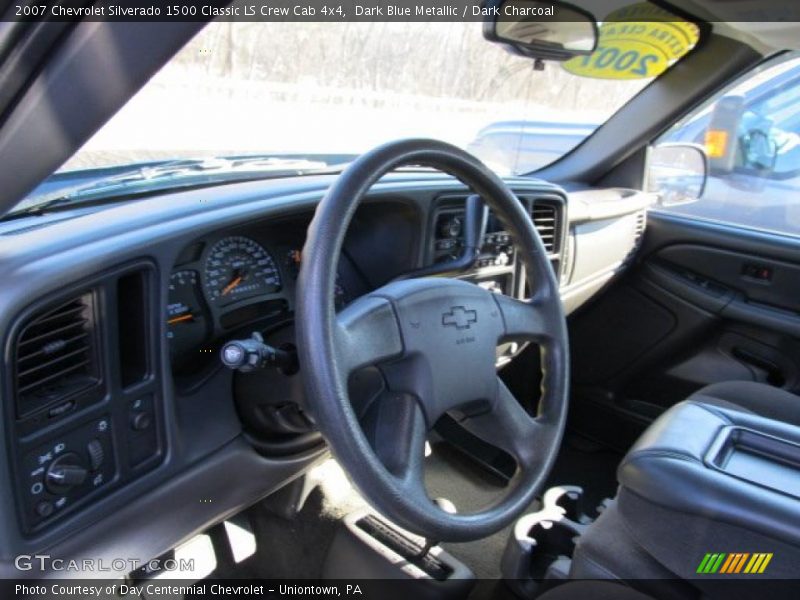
<point x="326" y="92"/>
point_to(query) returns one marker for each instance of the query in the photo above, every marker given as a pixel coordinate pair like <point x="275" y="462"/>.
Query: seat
<point x="757" y="398"/>
<point x="593" y="590"/>
<point x="702" y="479"/>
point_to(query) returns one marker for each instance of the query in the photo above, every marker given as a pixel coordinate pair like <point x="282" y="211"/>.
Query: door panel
<point x="704" y="303"/>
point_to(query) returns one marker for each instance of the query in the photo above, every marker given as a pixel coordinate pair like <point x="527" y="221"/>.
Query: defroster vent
<point x="54" y="355"/>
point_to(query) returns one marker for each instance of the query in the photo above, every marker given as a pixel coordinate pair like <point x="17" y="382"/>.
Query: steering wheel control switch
<point x="541" y="544"/>
<point x="68" y="469"/>
<point x="253" y="354"/>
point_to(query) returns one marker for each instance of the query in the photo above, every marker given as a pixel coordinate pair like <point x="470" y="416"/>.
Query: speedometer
<point x="238" y="268"/>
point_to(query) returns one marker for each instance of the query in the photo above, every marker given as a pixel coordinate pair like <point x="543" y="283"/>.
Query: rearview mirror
<point x="677" y="173"/>
<point x="545" y="30"/>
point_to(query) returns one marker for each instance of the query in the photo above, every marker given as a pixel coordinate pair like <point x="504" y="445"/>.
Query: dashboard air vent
<point x="641" y="223"/>
<point x="54" y="355"/>
<point x="545" y="219"/>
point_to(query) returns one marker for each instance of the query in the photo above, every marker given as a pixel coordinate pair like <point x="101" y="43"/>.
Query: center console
<point x="709" y="499"/>
<point x="730" y="466"/>
<point x="496" y="266"/>
<point x="702" y="480"/>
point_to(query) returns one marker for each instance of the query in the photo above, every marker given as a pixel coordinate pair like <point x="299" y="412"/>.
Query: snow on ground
<point x="180" y="113"/>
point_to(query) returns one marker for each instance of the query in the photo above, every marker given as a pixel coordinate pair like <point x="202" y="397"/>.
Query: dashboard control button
<point x="140" y="421"/>
<point x="44" y="509"/>
<point x="65" y="472"/>
<point x="96" y="454"/>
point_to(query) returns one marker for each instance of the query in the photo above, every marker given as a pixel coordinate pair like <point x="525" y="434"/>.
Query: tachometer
<point x="238" y="268"/>
<point x="294" y="258"/>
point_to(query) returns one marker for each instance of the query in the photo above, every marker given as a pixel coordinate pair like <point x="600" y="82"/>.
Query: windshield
<point x="326" y="92"/>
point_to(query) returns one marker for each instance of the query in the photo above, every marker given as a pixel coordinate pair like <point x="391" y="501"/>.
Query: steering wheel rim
<point x="399" y="327"/>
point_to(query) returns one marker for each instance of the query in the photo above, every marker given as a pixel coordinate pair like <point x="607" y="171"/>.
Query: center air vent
<point x="54" y="355"/>
<point x="545" y="218"/>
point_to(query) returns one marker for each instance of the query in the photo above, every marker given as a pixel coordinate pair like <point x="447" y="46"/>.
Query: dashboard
<point x="114" y="316"/>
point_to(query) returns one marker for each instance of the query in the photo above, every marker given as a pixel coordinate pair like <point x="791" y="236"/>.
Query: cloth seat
<point x="593" y="590"/>
<point x="748" y="396"/>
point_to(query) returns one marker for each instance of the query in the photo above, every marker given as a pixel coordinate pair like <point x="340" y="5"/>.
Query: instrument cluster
<point x="222" y="284"/>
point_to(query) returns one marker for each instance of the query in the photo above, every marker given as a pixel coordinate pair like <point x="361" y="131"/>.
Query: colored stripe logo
<point x="734" y="562"/>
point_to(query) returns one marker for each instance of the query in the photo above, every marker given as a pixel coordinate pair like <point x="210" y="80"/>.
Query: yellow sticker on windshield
<point x="636" y="42"/>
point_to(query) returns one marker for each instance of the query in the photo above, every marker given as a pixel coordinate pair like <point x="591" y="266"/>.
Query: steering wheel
<point x="434" y="341"/>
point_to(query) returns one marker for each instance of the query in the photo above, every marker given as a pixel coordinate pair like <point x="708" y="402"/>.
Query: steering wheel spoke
<point x="525" y="319"/>
<point x="506" y="425"/>
<point x="367" y="333"/>
<point x="395" y="426"/>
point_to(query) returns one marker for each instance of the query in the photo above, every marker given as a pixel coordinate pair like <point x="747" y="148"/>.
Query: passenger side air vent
<point x="641" y="223"/>
<point x="545" y="219"/>
<point x="54" y="355"/>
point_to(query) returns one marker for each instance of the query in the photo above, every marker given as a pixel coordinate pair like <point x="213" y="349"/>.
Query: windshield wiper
<point x="185" y="170"/>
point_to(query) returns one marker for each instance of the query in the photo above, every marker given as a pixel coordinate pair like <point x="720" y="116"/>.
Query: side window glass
<point x="751" y="133"/>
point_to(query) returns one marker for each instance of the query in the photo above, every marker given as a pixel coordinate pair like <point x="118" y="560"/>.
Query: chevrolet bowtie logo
<point x="459" y="317"/>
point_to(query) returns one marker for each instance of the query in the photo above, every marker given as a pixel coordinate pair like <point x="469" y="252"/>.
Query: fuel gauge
<point x="186" y="321"/>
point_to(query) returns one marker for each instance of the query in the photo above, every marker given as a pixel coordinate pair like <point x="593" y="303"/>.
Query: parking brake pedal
<point x="367" y="546"/>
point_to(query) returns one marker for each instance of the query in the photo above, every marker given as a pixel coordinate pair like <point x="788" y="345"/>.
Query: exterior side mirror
<point x="677" y="172"/>
<point x="738" y="140"/>
<point x="759" y="150"/>
<point x="721" y="135"/>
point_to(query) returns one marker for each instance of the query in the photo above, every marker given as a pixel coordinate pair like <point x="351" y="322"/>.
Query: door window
<point x="751" y="133"/>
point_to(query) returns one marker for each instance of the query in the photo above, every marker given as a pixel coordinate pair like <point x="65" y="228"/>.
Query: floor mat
<point x="452" y="475"/>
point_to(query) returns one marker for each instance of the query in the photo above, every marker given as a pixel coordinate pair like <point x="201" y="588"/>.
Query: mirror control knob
<point x="140" y="420"/>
